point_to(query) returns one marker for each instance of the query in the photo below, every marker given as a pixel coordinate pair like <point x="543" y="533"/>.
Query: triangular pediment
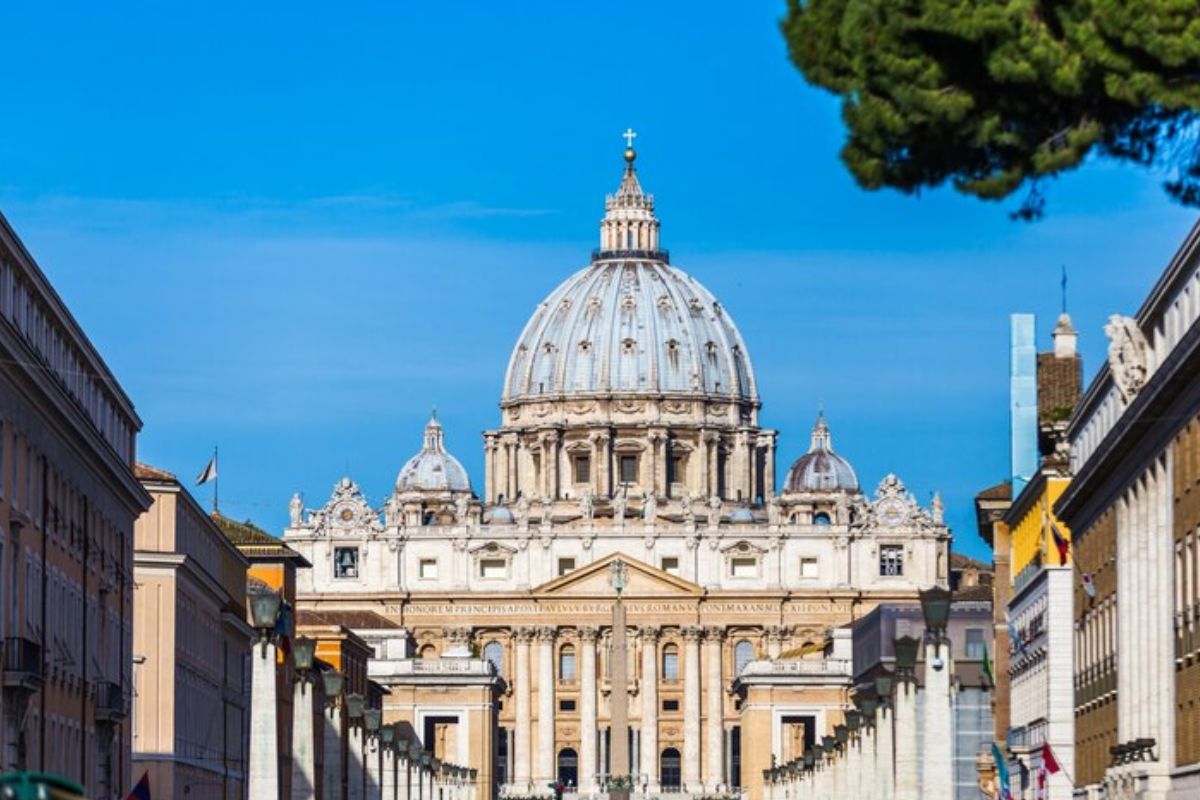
<point x="642" y="580"/>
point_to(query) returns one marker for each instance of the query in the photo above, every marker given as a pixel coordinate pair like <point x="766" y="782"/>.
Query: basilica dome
<point x="433" y="469"/>
<point x="630" y="323"/>
<point x="821" y="469"/>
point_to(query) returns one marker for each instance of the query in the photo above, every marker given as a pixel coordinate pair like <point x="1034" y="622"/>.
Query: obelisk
<point x="619" y="698"/>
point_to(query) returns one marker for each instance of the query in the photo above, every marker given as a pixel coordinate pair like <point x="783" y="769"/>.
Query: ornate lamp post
<point x="415" y="773"/>
<point x="355" y="705"/>
<point x="304" y="770"/>
<point x="906" y="719"/>
<point x="372" y="722"/>
<point x="387" y="747"/>
<point x="332" y="779"/>
<point x="885" y="758"/>
<point x="937" y="757"/>
<point x="263" y="779"/>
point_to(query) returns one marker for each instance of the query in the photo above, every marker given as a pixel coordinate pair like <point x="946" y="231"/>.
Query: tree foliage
<point x="996" y="95"/>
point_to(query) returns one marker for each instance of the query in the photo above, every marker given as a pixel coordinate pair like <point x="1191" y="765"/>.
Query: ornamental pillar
<point x="714" y="732"/>
<point x="938" y="735"/>
<point x="304" y="767"/>
<point x="691" y="709"/>
<point x="906" y="740"/>
<point x="587" y="708"/>
<point x="649" y="689"/>
<point x="545" y="727"/>
<point x="264" y="738"/>
<point x="522" y="763"/>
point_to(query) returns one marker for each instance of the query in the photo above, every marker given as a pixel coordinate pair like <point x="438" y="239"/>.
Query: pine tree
<point x="997" y="95"/>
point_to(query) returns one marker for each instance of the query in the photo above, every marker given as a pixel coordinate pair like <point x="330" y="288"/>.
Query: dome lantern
<point x="629" y="228"/>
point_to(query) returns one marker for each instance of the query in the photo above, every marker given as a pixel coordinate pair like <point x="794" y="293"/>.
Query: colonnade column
<point x="587" y="708"/>
<point x="938" y="767"/>
<point x="331" y="779"/>
<point x="691" y="709"/>
<point x="906" y="739"/>
<point x="649" y="689"/>
<point x="545" y="748"/>
<point x="885" y="768"/>
<point x="388" y="780"/>
<point x="264" y="736"/>
<point x="522" y="763"/>
<point x="714" y="733"/>
<point x="304" y="769"/>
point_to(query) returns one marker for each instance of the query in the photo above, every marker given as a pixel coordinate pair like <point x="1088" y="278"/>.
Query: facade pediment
<point x="641" y="580"/>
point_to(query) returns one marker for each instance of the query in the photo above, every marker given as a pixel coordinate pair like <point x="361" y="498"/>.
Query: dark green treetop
<point x="996" y="95"/>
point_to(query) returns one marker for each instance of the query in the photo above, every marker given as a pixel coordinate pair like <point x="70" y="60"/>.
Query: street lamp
<point x="304" y="652"/>
<point x="355" y="703"/>
<point x="264" y="615"/>
<point x="841" y="733"/>
<point x="372" y="719"/>
<point x="333" y="682"/>
<point x="853" y="720"/>
<point x="935" y="605"/>
<point x="885" y="681"/>
<point x="387" y="735"/>
<point x="906" y="655"/>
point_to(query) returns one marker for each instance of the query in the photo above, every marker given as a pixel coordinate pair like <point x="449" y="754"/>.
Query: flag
<point x="987" y="667"/>
<point x="1001" y="772"/>
<point x="1061" y="542"/>
<point x="209" y="473"/>
<point x="1048" y="760"/>
<point x="142" y="790"/>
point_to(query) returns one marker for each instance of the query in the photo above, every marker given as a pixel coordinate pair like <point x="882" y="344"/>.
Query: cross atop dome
<point x="629" y="228"/>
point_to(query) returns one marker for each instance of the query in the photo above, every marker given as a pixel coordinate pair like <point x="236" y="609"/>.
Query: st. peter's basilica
<point x="629" y="427"/>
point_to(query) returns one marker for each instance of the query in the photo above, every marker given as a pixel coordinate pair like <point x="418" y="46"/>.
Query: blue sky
<point x="292" y="229"/>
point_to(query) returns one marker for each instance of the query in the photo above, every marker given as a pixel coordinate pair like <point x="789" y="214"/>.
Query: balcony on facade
<point x="110" y="702"/>
<point x="22" y="664"/>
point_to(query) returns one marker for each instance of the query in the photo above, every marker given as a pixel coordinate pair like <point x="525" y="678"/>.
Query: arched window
<point x="566" y="663"/>
<point x="821" y="518"/>
<point x="743" y="654"/>
<point x="493" y="653"/>
<point x="428" y="652"/>
<point x="670" y="662"/>
<point x="668" y="768"/>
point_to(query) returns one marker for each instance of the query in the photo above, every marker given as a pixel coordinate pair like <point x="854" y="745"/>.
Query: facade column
<point x="587" y="709"/>
<point x="691" y="709"/>
<point x="388" y="783"/>
<point x="331" y="778"/>
<point x="937" y="730"/>
<point x="906" y="739"/>
<point x="714" y="732"/>
<point x="523" y="764"/>
<point x="545" y="740"/>
<point x="304" y="767"/>
<point x="372" y="752"/>
<point x="885" y="766"/>
<point x="264" y="736"/>
<point x="649" y="689"/>
<point x="356" y="766"/>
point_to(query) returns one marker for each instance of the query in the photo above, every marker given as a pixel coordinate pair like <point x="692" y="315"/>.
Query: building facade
<point x="68" y="501"/>
<point x="629" y="431"/>
<point x="191" y="645"/>
<point x="1132" y="506"/>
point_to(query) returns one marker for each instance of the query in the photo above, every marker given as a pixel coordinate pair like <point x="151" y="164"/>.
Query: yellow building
<point x="190" y="641"/>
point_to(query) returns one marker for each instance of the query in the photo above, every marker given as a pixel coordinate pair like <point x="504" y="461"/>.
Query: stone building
<point x="190" y="648"/>
<point x="629" y="429"/>
<point x="1132" y="506"/>
<point x="68" y="501"/>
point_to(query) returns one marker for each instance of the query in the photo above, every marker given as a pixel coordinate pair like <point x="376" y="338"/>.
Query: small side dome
<point x="741" y="515"/>
<point x="499" y="515"/>
<point x="821" y="469"/>
<point x="433" y="469"/>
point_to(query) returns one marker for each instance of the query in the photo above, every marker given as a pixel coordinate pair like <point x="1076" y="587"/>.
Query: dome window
<point x="627" y="346"/>
<point x="673" y="353"/>
<point x="821" y="518"/>
<point x="581" y="466"/>
<point x="585" y="347"/>
<point x="629" y="469"/>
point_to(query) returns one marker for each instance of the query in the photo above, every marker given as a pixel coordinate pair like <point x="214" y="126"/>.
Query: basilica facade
<point x="629" y="430"/>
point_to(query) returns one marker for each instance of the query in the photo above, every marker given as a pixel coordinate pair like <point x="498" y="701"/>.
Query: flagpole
<point x="216" y="482"/>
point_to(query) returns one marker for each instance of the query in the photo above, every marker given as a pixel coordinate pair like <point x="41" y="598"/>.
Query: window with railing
<point x="891" y="560"/>
<point x="566" y="663"/>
